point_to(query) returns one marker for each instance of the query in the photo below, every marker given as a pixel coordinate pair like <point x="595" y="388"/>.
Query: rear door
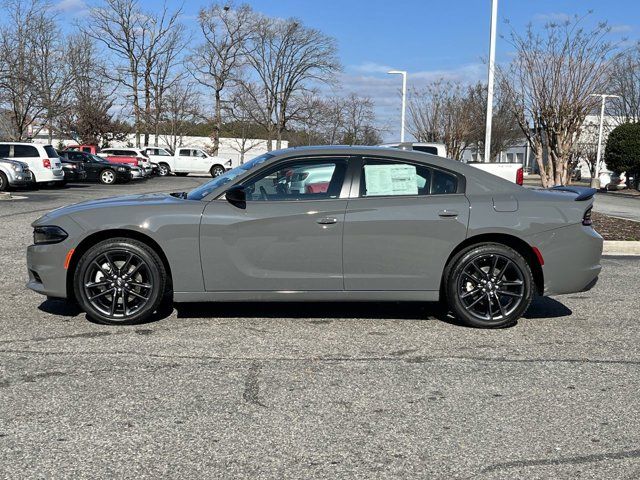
<point x="402" y="222"/>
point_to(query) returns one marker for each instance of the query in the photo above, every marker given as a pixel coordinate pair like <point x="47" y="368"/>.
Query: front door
<point x="400" y="229"/>
<point x="289" y="236"/>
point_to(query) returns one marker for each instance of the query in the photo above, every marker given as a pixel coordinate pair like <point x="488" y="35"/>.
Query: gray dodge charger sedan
<point x="324" y="224"/>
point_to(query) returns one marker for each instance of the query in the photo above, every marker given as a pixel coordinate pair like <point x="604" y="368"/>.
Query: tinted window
<point x="25" y="151"/>
<point x="185" y="153"/>
<point x="299" y="180"/>
<point x="443" y="183"/>
<point x="388" y="178"/>
<point x="51" y="152"/>
<point x="4" y="150"/>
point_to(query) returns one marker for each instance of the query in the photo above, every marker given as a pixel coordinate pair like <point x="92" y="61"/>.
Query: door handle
<point x="327" y="221"/>
<point x="448" y="213"/>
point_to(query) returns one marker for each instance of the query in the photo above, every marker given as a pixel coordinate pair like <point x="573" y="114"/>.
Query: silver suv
<point x="14" y="174"/>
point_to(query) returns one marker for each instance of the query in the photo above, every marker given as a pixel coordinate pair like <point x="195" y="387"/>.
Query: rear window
<point x="51" y="152"/>
<point x="4" y="150"/>
<point x="185" y="153"/>
<point x="25" y="151"/>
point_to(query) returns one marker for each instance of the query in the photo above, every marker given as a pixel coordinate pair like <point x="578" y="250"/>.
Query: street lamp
<point x="595" y="182"/>
<point x="490" y="75"/>
<point x="404" y="99"/>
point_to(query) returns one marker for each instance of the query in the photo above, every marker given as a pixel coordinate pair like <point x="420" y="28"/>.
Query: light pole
<point x="490" y="75"/>
<point x="595" y="182"/>
<point x="404" y="99"/>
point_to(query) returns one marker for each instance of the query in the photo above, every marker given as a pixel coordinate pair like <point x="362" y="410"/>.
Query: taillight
<point x="586" y="219"/>
<point x="520" y="176"/>
<point x="46" y="163"/>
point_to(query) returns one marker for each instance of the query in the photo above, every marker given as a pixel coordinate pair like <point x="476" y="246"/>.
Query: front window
<point x="312" y="179"/>
<point x="204" y="190"/>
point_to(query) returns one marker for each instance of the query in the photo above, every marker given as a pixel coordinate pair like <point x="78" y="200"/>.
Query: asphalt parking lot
<point x="315" y="390"/>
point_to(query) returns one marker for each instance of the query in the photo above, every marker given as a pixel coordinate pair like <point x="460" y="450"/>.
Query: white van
<point x="43" y="160"/>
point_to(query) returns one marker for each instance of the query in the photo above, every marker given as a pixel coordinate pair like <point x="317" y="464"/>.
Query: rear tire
<point x="120" y="281"/>
<point x="488" y="285"/>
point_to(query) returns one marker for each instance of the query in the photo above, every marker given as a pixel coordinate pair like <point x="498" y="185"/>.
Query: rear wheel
<point x="163" y="169"/>
<point x="216" y="170"/>
<point x="4" y="183"/>
<point x="107" y="177"/>
<point x="120" y="281"/>
<point x="489" y="285"/>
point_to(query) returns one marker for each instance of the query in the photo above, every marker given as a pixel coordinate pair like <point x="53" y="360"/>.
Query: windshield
<point x="204" y="190"/>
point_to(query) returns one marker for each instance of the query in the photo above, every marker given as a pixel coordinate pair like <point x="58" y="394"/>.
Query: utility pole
<point x="404" y="99"/>
<point x="491" y="72"/>
<point x="595" y="182"/>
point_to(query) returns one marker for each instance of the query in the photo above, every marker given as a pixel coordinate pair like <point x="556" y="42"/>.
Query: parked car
<point x="14" y="174"/>
<point x="43" y="161"/>
<point x="73" y="171"/>
<point x="129" y="156"/>
<point x="511" y="171"/>
<point x="392" y="225"/>
<point x="98" y="168"/>
<point x="612" y="181"/>
<point x="187" y="160"/>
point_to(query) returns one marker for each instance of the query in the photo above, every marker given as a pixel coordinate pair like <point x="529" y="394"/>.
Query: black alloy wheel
<point x="120" y="281"/>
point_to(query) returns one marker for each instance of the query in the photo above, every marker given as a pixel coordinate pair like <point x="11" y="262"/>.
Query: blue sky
<point x="428" y="38"/>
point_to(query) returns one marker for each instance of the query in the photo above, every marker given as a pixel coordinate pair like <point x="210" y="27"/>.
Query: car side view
<point x="377" y="224"/>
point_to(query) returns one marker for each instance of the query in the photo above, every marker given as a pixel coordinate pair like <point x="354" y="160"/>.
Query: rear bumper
<point x="571" y="258"/>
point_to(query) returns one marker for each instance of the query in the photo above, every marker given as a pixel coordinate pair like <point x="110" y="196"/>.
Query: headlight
<point x="17" y="168"/>
<point x="122" y="169"/>
<point x="48" y="234"/>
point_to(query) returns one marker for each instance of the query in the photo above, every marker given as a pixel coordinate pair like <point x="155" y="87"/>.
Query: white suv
<point x="43" y="160"/>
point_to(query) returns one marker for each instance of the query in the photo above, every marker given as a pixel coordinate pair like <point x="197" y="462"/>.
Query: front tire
<point x="107" y="177"/>
<point x="216" y="171"/>
<point x="163" y="170"/>
<point x="488" y="285"/>
<point x="4" y="183"/>
<point x="120" y="281"/>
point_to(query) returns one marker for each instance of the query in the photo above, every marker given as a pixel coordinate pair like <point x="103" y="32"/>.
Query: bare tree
<point x="20" y="95"/>
<point x="181" y="110"/>
<point x="359" y="118"/>
<point x="137" y="40"/>
<point x="625" y="82"/>
<point x="440" y="113"/>
<point x="549" y="82"/>
<point x="217" y="63"/>
<point x="286" y="57"/>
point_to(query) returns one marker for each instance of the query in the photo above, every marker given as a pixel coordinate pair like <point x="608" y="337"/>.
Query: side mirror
<point x="237" y="196"/>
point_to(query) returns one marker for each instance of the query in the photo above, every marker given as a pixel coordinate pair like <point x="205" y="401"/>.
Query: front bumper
<point x="45" y="265"/>
<point x="571" y="258"/>
<point x="20" y="179"/>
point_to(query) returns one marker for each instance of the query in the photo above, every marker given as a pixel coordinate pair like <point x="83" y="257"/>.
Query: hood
<point x="111" y="202"/>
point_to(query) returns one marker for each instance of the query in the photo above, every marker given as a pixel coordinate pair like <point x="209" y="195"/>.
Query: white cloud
<point x="621" y="28"/>
<point x="371" y="67"/>
<point x="71" y="6"/>
<point x="552" y="17"/>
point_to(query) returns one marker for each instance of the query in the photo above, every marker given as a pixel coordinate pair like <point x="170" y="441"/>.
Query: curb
<point x="5" y="196"/>
<point x="616" y="247"/>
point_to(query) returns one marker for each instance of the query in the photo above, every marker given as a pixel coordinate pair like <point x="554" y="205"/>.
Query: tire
<point x="181" y="174"/>
<point x="488" y="285"/>
<point x="163" y="169"/>
<point x="216" y="171"/>
<point x="4" y="182"/>
<point x="107" y="177"/>
<point x="134" y="286"/>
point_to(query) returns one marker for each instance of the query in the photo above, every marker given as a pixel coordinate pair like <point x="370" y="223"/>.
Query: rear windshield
<point x="51" y="152"/>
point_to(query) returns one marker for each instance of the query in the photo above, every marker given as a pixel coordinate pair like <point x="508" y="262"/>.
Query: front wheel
<point x="488" y="285"/>
<point x="163" y="169"/>
<point x="120" y="281"/>
<point x="216" y="170"/>
<point x="4" y="183"/>
<point x="107" y="177"/>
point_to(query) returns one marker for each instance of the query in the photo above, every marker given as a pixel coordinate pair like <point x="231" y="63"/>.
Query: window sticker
<point x="390" y="180"/>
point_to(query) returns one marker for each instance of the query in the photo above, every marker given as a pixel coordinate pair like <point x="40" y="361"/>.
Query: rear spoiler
<point x="584" y="193"/>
